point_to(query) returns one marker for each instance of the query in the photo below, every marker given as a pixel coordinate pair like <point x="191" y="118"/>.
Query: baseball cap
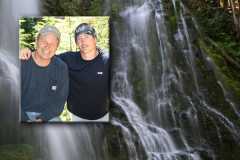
<point x="84" y="28"/>
<point x="50" y="29"/>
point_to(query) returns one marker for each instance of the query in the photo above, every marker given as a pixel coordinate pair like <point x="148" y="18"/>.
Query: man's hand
<point x="38" y="120"/>
<point x="25" y="54"/>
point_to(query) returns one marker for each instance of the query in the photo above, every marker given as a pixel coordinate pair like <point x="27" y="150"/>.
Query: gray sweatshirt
<point x="44" y="90"/>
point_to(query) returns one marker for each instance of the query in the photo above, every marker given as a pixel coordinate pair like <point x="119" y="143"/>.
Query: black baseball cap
<point x="84" y="28"/>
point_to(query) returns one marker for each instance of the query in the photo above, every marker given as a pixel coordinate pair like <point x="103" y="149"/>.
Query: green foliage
<point x="214" y="21"/>
<point x="66" y="25"/>
<point x="230" y="75"/>
<point x="16" y="152"/>
<point x="41" y="22"/>
<point x="27" y="32"/>
<point x="218" y="25"/>
<point x="96" y="7"/>
<point x="66" y="8"/>
<point x="231" y="46"/>
<point x="29" y="28"/>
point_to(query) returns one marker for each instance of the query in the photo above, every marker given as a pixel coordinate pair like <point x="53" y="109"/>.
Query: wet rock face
<point x="9" y="70"/>
<point x="10" y="11"/>
<point x="5" y="86"/>
<point x="9" y="100"/>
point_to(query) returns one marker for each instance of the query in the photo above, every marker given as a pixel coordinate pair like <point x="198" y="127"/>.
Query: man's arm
<point x="26" y="53"/>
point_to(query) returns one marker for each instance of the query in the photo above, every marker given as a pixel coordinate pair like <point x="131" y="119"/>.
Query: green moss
<point x="171" y="17"/>
<point x="115" y="10"/>
<point x="96" y="7"/>
<point x="230" y="76"/>
<point x="16" y="152"/>
<point x="173" y="23"/>
<point x="217" y="24"/>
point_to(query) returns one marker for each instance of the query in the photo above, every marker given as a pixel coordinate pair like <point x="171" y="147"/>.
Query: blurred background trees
<point x="29" y="28"/>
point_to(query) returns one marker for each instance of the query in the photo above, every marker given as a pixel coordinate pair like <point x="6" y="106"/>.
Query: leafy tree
<point x="29" y="28"/>
<point x="27" y="32"/>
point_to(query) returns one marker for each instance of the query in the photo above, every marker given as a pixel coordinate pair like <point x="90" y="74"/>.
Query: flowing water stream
<point x="157" y="84"/>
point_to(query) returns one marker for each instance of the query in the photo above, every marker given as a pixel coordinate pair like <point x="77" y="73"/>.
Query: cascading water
<point x="156" y="140"/>
<point x="9" y="68"/>
<point x="163" y="105"/>
<point x="160" y="67"/>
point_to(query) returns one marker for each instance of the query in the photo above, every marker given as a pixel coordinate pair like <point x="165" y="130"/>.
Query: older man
<point x="44" y="80"/>
<point x="88" y="77"/>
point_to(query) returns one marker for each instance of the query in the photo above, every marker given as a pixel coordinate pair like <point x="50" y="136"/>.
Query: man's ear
<point x="58" y="43"/>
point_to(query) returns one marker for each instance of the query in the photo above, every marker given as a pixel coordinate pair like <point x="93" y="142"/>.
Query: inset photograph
<point x="64" y="69"/>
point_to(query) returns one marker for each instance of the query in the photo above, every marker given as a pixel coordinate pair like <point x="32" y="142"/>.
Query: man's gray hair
<point x="50" y="29"/>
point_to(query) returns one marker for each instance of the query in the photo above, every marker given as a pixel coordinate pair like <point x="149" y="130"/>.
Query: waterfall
<point x="161" y="67"/>
<point x="9" y="66"/>
<point x="168" y="99"/>
<point x="156" y="140"/>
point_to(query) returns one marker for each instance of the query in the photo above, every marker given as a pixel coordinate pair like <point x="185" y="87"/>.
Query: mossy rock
<point x="16" y="152"/>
